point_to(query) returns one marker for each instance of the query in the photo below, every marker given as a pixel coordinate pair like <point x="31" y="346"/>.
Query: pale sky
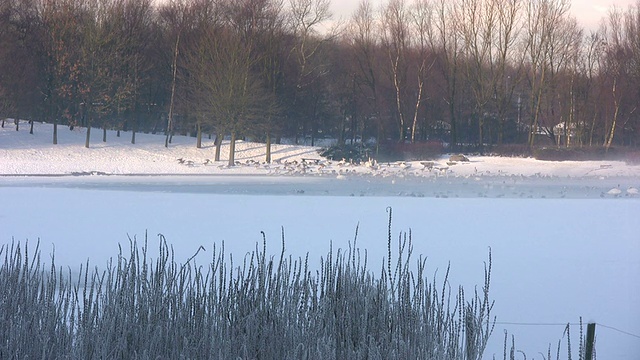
<point x="588" y="12"/>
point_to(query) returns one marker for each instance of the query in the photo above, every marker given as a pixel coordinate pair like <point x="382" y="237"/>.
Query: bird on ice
<point x="614" y="191"/>
<point x="631" y="191"/>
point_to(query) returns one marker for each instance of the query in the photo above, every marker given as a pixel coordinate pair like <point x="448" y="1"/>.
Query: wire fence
<point x="565" y="324"/>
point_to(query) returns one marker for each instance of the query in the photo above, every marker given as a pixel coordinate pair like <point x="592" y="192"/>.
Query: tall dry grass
<point x="260" y="307"/>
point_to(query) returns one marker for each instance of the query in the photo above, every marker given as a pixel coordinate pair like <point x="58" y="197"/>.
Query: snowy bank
<point x="22" y="153"/>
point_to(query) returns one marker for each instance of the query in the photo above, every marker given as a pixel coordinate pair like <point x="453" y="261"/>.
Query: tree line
<point x="482" y="72"/>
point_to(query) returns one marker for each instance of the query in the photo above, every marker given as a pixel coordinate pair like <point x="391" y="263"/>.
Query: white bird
<point x="614" y="191"/>
<point x="632" y="191"/>
<point x="371" y="163"/>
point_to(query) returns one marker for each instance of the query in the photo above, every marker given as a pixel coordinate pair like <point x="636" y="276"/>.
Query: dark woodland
<point x="464" y="74"/>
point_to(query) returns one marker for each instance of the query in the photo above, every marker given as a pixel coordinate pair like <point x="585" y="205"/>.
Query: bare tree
<point x="619" y="68"/>
<point x="446" y="40"/>
<point x="261" y="25"/>
<point x="631" y="125"/>
<point x="364" y="44"/>
<point x="479" y="26"/>
<point x="7" y="44"/>
<point x="573" y="120"/>
<point x="102" y="86"/>
<point x="61" y="44"/>
<point x="174" y="78"/>
<point x="306" y="17"/>
<point x="563" y="49"/>
<point x="20" y="80"/>
<point x="541" y="19"/>
<point x="395" y="38"/>
<point x="507" y="63"/>
<point x="589" y="64"/>
<point x="137" y="36"/>
<point x="273" y="59"/>
<point x="175" y="18"/>
<point x="228" y="88"/>
<point x="123" y="33"/>
<point x="422" y="18"/>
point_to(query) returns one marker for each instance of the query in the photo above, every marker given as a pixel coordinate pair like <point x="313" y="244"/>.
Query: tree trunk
<point x="396" y="84"/>
<point x="501" y="123"/>
<point x="218" y="142"/>
<point x="616" y="104"/>
<point x="343" y="127"/>
<point x="414" y="125"/>
<point x="480" y="131"/>
<point x="199" y="135"/>
<point x="134" y="128"/>
<point x="268" y="157"/>
<point x="55" y="131"/>
<point x="232" y="149"/>
<point x="572" y="115"/>
<point x="533" y="129"/>
<point x="104" y="132"/>
<point x="454" y="126"/>
<point x="169" y="134"/>
<point x="536" y="106"/>
<point x="86" y="142"/>
<point x="31" y="127"/>
<point x="378" y="136"/>
<point x="17" y="122"/>
<point x="609" y="140"/>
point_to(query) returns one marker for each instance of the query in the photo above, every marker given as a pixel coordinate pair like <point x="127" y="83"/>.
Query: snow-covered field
<point x="564" y="235"/>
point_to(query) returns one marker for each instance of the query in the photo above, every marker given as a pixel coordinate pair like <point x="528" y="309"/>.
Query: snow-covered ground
<point x="564" y="235"/>
<point x="25" y="154"/>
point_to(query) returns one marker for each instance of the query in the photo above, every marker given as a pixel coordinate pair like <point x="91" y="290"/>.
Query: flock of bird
<point x="617" y="192"/>
<point x="327" y="167"/>
<point x="342" y="168"/>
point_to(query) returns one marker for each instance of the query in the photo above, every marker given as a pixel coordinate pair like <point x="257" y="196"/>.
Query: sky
<point x="588" y="12"/>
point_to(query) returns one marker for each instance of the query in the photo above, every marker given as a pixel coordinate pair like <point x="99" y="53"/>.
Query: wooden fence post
<point x="591" y="336"/>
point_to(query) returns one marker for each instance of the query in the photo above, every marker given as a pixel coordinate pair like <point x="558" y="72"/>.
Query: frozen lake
<point x="529" y="187"/>
<point x="560" y="250"/>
